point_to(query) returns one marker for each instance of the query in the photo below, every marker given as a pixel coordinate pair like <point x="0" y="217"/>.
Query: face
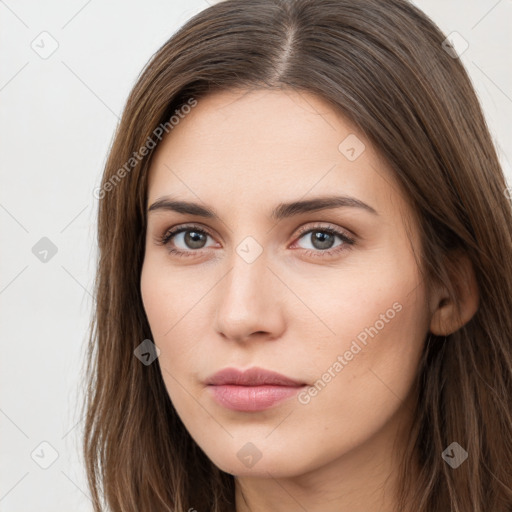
<point x="327" y="294"/>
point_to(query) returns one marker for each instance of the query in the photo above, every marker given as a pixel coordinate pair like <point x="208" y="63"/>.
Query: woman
<point x="304" y="282"/>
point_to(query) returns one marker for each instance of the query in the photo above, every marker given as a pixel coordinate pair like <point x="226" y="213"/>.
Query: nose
<point x="250" y="302"/>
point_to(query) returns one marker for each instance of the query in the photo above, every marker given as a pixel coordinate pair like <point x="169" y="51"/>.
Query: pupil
<point x="193" y="239"/>
<point x="322" y="240"/>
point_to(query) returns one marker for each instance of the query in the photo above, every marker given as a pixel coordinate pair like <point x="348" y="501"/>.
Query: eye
<point x="189" y="239"/>
<point x="322" y="240"/>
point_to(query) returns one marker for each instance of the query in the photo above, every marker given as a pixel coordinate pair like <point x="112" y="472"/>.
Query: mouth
<point x="255" y="389"/>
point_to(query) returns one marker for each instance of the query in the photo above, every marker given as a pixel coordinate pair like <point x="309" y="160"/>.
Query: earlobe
<point x="447" y="318"/>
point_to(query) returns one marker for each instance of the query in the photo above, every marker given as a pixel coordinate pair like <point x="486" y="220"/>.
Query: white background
<point x="58" y="118"/>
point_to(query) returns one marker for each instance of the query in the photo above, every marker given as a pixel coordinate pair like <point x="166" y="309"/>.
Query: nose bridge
<point x="247" y="298"/>
<point x="246" y="282"/>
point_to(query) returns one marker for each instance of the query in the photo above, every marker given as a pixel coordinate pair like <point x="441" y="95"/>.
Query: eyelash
<point x="346" y="245"/>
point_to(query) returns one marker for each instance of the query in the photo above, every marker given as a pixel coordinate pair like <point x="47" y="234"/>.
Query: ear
<point x="446" y="317"/>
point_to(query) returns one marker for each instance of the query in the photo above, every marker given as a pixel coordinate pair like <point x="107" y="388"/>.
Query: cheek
<point x="156" y="297"/>
<point x="173" y="310"/>
<point x="166" y="298"/>
<point x="367" y="301"/>
<point x="164" y="309"/>
<point x="380" y="320"/>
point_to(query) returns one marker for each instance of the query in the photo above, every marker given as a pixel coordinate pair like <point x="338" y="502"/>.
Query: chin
<point x="251" y="461"/>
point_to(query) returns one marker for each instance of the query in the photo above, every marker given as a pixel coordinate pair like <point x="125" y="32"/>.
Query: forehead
<point x="243" y="149"/>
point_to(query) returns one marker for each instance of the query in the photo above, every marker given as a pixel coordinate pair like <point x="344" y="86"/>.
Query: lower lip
<point x="252" y="398"/>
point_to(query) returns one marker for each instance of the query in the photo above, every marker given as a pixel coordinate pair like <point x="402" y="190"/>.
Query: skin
<point x="241" y="153"/>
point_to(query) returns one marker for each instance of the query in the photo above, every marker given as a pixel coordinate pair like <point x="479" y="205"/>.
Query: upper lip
<point x="252" y="377"/>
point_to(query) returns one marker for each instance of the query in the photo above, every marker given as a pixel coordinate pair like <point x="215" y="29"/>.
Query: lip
<point x="252" y="377"/>
<point x="255" y="389"/>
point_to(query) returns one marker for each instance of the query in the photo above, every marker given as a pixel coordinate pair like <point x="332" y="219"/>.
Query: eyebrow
<point x="281" y="211"/>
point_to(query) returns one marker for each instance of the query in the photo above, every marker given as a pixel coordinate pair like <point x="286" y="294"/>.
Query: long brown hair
<point x="382" y="64"/>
